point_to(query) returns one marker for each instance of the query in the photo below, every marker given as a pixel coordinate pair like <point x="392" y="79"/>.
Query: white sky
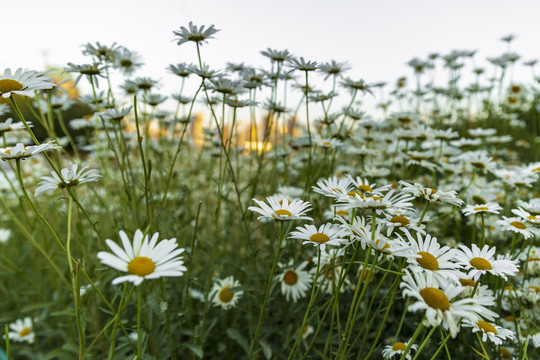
<point x="377" y="38"/>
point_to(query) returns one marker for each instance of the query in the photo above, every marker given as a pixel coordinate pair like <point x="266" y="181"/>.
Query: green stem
<point x="267" y="292"/>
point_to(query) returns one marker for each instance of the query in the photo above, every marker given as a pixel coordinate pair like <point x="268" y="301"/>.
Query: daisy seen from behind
<point x="481" y="209"/>
<point x="222" y="295"/>
<point x="144" y="258"/>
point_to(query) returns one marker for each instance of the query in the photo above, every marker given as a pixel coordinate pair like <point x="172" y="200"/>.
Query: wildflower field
<point x="254" y="229"/>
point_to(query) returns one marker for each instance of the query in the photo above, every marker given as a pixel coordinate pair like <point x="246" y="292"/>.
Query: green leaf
<point x="235" y="335"/>
<point x="196" y="349"/>
<point x="267" y="351"/>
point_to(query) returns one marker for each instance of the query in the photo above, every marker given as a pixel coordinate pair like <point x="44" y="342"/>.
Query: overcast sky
<point x="377" y="38"/>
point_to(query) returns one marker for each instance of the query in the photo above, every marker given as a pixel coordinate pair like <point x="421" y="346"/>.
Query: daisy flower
<point x="327" y="234"/>
<point x="390" y="202"/>
<point x="282" y="210"/>
<point x="403" y="222"/>
<point x="495" y="333"/>
<point x="221" y="294"/>
<point x="116" y="114"/>
<point x="295" y="282"/>
<point x="481" y="261"/>
<point x="438" y="301"/>
<point x="144" y="258"/>
<point x="70" y="177"/>
<point x="333" y="187"/>
<point x="20" y="151"/>
<point x="194" y="33"/>
<point x="535" y="219"/>
<point x="516" y="225"/>
<point x="431" y="194"/>
<point x="365" y="187"/>
<point x="481" y="208"/>
<point x="22" y="330"/>
<point x="8" y="125"/>
<point x="398" y="348"/>
<point x="432" y="257"/>
<point x="23" y="82"/>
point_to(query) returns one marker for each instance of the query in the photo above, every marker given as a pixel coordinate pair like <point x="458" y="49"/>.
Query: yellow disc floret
<point x="319" y="238"/>
<point x="486" y="327"/>
<point x="427" y="261"/>
<point x="141" y="266"/>
<point x="225" y="295"/>
<point x="290" y="277"/>
<point x="7" y="85"/>
<point x="480" y="263"/>
<point x="435" y="298"/>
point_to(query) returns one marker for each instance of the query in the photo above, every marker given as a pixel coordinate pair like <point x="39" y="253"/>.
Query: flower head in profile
<point x="222" y="295"/>
<point x="440" y="302"/>
<point x="22" y="330"/>
<point x="481" y="261"/>
<point x="143" y="258"/>
<point x="282" y="210"/>
<point x="481" y="209"/>
<point x="9" y="125"/>
<point x="517" y="225"/>
<point x="398" y="348"/>
<point x="327" y="234"/>
<point x="20" y="151"/>
<point x="23" y="82"/>
<point x="495" y="333"/>
<point x="70" y="177"/>
<point x="194" y="33"/>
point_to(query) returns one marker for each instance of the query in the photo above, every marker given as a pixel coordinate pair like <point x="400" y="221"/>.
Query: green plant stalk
<point x="6" y="336"/>
<point x="413" y="339"/>
<point x="282" y="234"/>
<point x="74" y="287"/>
<point x="139" y="311"/>
<point x="311" y="301"/>
<point x="355" y="305"/>
<point x="375" y="342"/>
<point x="34" y="208"/>
<point x="143" y="161"/>
<point x="486" y="356"/>
<point x="426" y="340"/>
<point x="167" y="319"/>
<point x="118" y="312"/>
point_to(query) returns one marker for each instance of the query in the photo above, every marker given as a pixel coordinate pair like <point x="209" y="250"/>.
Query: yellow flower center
<point x="24" y="332"/>
<point x="518" y="224"/>
<point x="435" y="298"/>
<point x="536" y="169"/>
<point x="399" y="346"/>
<point x="225" y="295"/>
<point x="319" y="238"/>
<point x="354" y="193"/>
<point x="384" y="248"/>
<point x="428" y="261"/>
<point x="481" y="208"/>
<point x="282" y="212"/>
<point x="534" y="288"/>
<point x="342" y="212"/>
<point x="365" y="188"/>
<point x="480" y="263"/>
<point x="533" y="217"/>
<point x="7" y="85"/>
<point x="509" y="318"/>
<point x="141" y="266"/>
<point x="486" y="327"/>
<point x="401" y="220"/>
<point x="467" y="282"/>
<point x="290" y="277"/>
